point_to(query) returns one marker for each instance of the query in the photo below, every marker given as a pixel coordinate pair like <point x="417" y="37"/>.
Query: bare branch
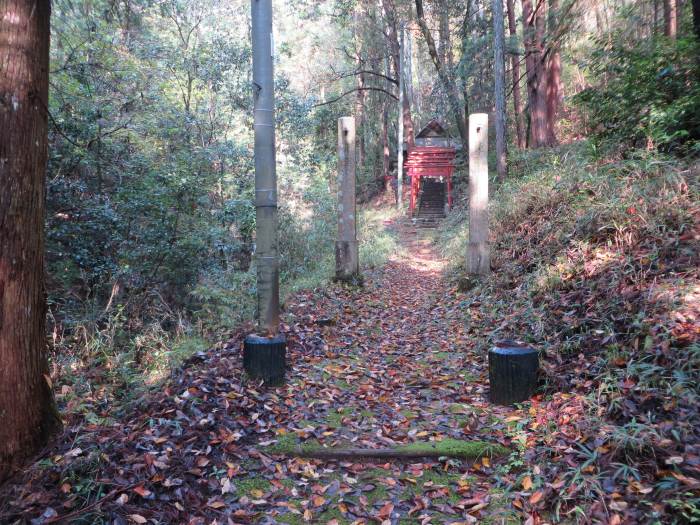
<point x="370" y="88"/>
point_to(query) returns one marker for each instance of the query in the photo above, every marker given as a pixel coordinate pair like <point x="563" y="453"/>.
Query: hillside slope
<point x="595" y="261"/>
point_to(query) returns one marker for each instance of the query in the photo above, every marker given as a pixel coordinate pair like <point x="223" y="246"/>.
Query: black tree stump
<point x="265" y="358"/>
<point x="512" y="372"/>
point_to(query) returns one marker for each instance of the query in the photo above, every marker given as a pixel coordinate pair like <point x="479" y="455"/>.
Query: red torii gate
<point x="430" y="161"/>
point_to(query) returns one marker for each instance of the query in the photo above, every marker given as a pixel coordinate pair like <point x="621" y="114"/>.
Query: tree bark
<point x="499" y="87"/>
<point x="553" y="69"/>
<point x="392" y="33"/>
<point x="447" y="80"/>
<point x="541" y="133"/>
<point x="27" y="408"/>
<point x="444" y="50"/>
<point x="360" y="78"/>
<point x="515" y="64"/>
<point x="670" y="18"/>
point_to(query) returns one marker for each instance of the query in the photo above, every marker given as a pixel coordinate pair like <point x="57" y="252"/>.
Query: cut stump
<point x="512" y="372"/>
<point x="265" y="358"/>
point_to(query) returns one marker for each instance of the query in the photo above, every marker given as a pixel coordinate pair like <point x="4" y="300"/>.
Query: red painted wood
<point x="429" y="161"/>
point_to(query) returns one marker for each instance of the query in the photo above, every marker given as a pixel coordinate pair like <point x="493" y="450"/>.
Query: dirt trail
<point x="390" y="363"/>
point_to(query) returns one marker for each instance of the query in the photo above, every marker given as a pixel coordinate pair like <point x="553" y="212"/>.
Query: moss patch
<point x="453" y="448"/>
<point x="456" y="448"/>
<point x="246" y="486"/>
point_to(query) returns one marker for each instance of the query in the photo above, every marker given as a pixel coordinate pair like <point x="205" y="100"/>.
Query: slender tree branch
<point x="369" y="88"/>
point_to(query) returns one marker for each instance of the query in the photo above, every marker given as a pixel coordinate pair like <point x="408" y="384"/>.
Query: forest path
<point x="384" y="365"/>
<point x="394" y="362"/>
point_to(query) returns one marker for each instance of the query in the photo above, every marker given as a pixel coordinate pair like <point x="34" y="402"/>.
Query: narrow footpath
<point x="393" y="363"/>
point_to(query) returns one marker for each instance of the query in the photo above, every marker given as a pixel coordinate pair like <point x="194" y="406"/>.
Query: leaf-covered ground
<point x="396" y="362"/>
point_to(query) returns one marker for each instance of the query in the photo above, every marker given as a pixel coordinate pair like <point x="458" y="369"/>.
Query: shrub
<point x="646" y="95"/>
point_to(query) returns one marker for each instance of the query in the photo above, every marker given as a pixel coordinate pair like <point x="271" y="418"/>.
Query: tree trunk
<point x="515" y="61"/>
<point x="553" y="68"/>
<point x="27" y="409"/>
<point x="360" y="115"/>
<point x="696" y="19"/>
<point x="541" y="134"/>
<point x="499" y="87"/>
<point x="444" y="43"/>
<point x="393" y="35"/>
<point x="444" y="75"/>
<point x="361" y="93"/>
<point x="670" y="19"/>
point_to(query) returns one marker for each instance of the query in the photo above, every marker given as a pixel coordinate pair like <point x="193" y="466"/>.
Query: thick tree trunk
<point x="515" y="61"/>
<point x="447" y="80"/>
<point x="670" y="18"/>
<point x="541" y="134"/>
<point x="27" y="409"/>
<point x="499" y="87"/>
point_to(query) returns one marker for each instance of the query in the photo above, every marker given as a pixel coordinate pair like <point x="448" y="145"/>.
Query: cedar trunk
<point x="538" y="70"/>
<point x="499" y="74"/>
<point x="515" y="61"/>
<point x="27" y="409"/>
<point x="670" y="18"/>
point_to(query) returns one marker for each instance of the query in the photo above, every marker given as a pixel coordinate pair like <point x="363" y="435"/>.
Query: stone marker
<point x="478" y="259"/>
<point x="347" y="260"/>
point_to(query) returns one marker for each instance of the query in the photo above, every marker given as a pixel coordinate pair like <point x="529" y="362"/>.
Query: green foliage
<point x="646" y="94"/>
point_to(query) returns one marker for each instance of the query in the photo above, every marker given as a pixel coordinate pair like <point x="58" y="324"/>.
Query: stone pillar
<point x="478" y="259"/>
<point x="347" y="260"/>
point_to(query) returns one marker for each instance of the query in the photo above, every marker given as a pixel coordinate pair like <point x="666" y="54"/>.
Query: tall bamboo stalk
<point x="399" y="146"/>
<point x="267" y="263"/>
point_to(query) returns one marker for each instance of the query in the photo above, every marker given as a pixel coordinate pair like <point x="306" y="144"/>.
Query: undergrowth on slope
<point x="595" y="262"/>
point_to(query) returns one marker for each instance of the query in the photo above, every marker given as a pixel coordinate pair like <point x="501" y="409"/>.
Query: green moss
<point x="457" y="448"/>
<point x="408" y="414"/>
<point x="343" y="385"/>
<point x="436" y="478"/>
<point x="330" y="514"/>
<point x="286" y="444"/>
<point x="290" y="445"/>
<point x="245" y="486"/>
<point x="454" y="448"/>
<point x="335" y="419"/>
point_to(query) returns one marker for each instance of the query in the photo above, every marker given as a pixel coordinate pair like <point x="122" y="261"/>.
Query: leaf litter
<point x="395" y="363"/>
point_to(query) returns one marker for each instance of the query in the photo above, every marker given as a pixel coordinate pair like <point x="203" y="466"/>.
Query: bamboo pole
<point x="267" y="263"/>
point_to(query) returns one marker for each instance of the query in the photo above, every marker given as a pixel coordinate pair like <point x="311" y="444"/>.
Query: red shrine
<point x="432" y="158"/>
